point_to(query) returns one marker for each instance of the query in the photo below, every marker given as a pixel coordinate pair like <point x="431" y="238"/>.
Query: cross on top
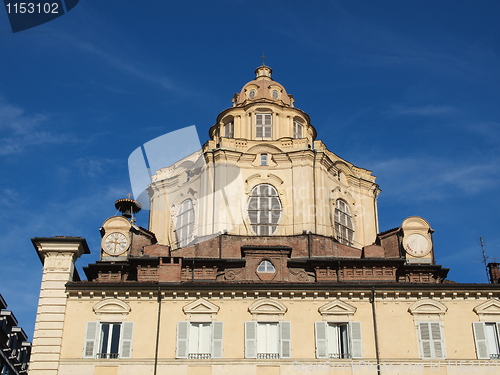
<point x="263" y="57"/>
<point x="129" y="195"/>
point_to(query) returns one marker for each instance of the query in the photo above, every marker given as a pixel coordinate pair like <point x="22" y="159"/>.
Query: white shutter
<point x="437" y="340"/>
<point x="250" y="339"/>
<point x="259" y="123"/>
<point x="217" y="335"/>
<point x="425" y="339"/>
<point x="321" y="342"/>
<point x="182" y="339"/>
<point x="356" y="346"/>
<point x="90" y="340"/>
<point x="481" y="341"/>
<point x="126" y="340"/>
<point x="285" y="340"/>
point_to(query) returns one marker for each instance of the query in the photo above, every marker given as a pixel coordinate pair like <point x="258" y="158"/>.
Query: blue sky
<point x="409" y="90"/>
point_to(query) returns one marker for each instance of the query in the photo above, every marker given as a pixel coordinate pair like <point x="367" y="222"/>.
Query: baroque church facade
<point x="263" y="255"/>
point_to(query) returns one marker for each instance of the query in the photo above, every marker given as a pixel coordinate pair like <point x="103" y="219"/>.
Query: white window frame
<point x="344" y="227"/>
<point x="94" y="336"/>
<point x="253" y="335"/>
<point x="266" y="266"/>
<point x="264" y="209"/>
<point x="184" y="350"/>
<point x="349" y="339"/>
<point x="185" y="222"/>
<point x="263" y="125"/>
<point x="229" y="129"/>
<point x="264" y="159"/>
<point x="431" y="339"/>
<point x="298" y="130"/>
<point x="487" y="340"/>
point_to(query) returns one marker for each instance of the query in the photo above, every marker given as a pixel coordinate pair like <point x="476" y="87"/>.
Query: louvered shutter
<point x="437" y="340"/>
<point x="481" y="341"/>
<point x="217" y="334"/>
<point x="182" y="339"/>
<point x="285" y="340"/>
<point x="425" y="340"/>
<point x="90" y="340"/>
<point x="268" y="125"/>
<point x="259" y="124"/>
<point x="250" y="339"/>
<point x="356" y="345"/>
<point x="126" y="340"/>
<point x="321" y="341"/>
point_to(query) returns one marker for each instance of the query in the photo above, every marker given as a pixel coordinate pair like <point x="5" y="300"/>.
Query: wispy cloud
<point x="19" y="129"/>
<point x="427" y="110"/>
<point x="427" y="178"/>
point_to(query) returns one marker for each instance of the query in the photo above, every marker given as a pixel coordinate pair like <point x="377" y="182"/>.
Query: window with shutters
<point x="487" y="337"/>
<point x="185" y="223"/>
<point x="267" y="340"/>
<point x="431" y="340"/>
<point x="263" y="125"/>
<point x="343" y="223"/>
<point x="108" y="340"/>
<point x="338" y="340"/>
<point x="264" y="209"/>
<point x="199" y="340"/>
<point x="297" y="129"/>
<point x="229" y="130"/>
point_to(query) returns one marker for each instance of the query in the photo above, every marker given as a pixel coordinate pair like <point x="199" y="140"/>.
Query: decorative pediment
<point x="201" y="310"/>
<point x="427" y="309"/>
<point x="337" y="311"/>
<point x="266" y="308"/>
<point x="111" y="307"/>
<point x="489" y="310"/>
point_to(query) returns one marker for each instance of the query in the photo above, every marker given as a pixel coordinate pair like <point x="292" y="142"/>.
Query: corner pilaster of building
<point x="58" y="256"/>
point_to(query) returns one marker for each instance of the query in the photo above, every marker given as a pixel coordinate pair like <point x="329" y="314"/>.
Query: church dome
<point x="263" y="88"/>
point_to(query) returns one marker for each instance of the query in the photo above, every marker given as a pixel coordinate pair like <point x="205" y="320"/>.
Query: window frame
<point x="343" y="223"/>
<point x="352" y="340"/>
<point x="252" y="340"/>
<point x="185" y="220"/>
<point x="298" y="130"/>
<point x="435" y="348"/>
<point x="183" y="347"/>
<point x="268" y="266"/>
<point x="483" y="341"/>
<point x="263" y="128"/>
<point x="229" y="129"/>
<point x="261" y="207"/>
<point x="94" y="336"/>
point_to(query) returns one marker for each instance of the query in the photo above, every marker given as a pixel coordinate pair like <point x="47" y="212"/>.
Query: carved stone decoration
<point x="201" y="310"/>
<point x="489" y="310"/>
<point x="111" y="308"/>
<point x="337" y="311"/>
<point x="267" y="309"/>
<point x="427" y="309"/>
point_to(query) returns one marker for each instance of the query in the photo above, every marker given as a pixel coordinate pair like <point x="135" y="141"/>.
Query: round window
<point x="251" y="94"/>
<point x="275" y="94"/>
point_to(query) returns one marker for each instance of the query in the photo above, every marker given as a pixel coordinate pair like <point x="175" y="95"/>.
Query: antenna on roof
<point x="485" y="259"/>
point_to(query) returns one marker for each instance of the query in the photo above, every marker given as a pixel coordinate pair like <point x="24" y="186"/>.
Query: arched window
<point x="343" y="223"/>
<point x="185" y="223"/>
<point x="264" y="209"/>
<point x="266" y="266"/>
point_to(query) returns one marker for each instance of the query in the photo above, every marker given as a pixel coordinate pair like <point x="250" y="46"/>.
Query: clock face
<point x="115" y="243"/>
<point x="417" y="245"/>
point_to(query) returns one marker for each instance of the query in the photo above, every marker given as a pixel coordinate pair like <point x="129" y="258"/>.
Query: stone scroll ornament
<point x="24" y="15"/>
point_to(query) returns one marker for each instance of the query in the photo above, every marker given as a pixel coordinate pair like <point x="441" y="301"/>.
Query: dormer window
<point x="266" y="267"/>
<point x="263" y="125"/>
<point x="297" y="129"/>
<point x="229" y="130"/>
<point x="275" y="94"/>
<point x="252" y="93"/>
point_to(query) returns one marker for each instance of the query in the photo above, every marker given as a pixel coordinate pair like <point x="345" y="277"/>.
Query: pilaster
<point x="58" y="256"/>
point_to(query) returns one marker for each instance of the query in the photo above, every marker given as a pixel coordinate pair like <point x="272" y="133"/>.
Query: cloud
<point x="427" y="110"/>
<point x="19" y="129"/>
<point x="427" y="178"/>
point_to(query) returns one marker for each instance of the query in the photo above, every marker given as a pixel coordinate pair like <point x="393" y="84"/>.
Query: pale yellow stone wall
<point x="397" y="334"/>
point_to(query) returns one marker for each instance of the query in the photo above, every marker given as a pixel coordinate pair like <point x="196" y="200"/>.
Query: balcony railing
<point x="199" y="356"/>
<point x="107" y="355"/>
<point x="339" y="355"/>
<point x="268" y="356"/>
<point x="495" y="356"/>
